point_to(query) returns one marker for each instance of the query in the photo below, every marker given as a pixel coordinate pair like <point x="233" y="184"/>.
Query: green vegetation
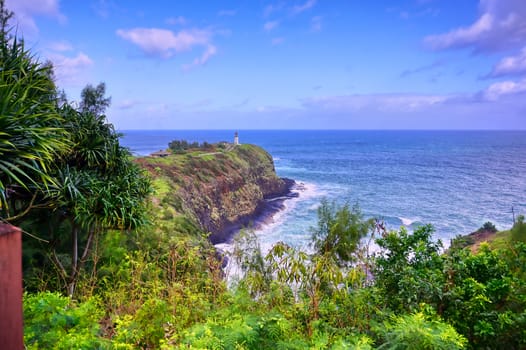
<point x="31" y="129"/>
<point x="63" y="174"/>
<point x="489" y="234"/>
<point x="418" y="331"/>
<point x="231" y="183"/>
<point x="53" y="321"/>
<point x="488" y="226"/>
<point x="339" y="232"/>
<point x="116" y="267"/>
<point x="179" y="146"/>
<point x="518" y="231"/>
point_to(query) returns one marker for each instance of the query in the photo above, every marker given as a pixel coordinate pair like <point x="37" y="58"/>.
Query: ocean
<point x="454" y="180"/>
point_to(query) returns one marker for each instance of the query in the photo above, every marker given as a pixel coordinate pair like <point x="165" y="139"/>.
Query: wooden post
<point x="11" y="316"/>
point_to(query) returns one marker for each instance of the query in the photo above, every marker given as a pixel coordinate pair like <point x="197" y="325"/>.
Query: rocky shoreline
<point x="222" y="189"/>
<point x="263" y="213"/>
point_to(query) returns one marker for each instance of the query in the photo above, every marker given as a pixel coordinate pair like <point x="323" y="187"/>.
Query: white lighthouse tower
<point x="236" y="139"/>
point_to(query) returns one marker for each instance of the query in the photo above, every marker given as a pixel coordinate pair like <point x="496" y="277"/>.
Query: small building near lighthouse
<point x="236" y="138"/>
<point x="160" y="154"/>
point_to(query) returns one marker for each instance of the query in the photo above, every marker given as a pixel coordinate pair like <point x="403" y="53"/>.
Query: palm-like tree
<point x="61" y="166"/>
<point x="31" y="135"/>
<point x="96" y="187"/>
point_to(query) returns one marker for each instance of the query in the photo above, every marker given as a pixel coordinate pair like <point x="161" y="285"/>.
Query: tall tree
<point x="97" y="188"/>
<point x="31" y="132"/>
<point x="409" y="268"/>
<point x="5" y="17"/>
<point x="93" y="99"/>
<point x="339" y="232"/>
<point x="63" y="173"/>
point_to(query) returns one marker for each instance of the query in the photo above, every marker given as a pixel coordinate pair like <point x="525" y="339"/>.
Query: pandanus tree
<point x="31" y="131"/>
<point x="63" y="173"/>
<point x="96" y="187"/>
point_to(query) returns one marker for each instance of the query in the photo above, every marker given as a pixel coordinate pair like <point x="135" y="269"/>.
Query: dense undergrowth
<point x="110" y="266"/>
<point x="157" y="288"/>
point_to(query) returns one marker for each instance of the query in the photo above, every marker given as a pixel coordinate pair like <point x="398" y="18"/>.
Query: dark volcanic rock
<point x="266" y="208"/>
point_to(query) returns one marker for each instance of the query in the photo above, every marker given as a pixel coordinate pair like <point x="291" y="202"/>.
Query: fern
<point x="415" y="331"/>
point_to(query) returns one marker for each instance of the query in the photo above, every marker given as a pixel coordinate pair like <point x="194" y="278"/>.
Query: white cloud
<point x="60" y="46"/>
<point x="102" y="7"/>
<point x="165" y="43"/>
<point x="240" y="104"/>
<point x="511" y="65"/>
<point x="504" y="88"/>
<point x="277" y="41"/>
<point x="493" y="96"/>
<point x="303" y="7"/>
<point x="179" y="20"/>
<point x="500" y="25"/>
<point x="404" y="15"/>
<point x="68" y="70"/>
<point x="316" y="23"/>
<point x="428" y="67"/>
<point x="127" y="104"/>
<point x="380" y="102"/>
<point x="210" y="51"/>
<point x="158" y="108"/>
<point x="199" y="104"/>
<point x="272" y="8"/>
<point x="45" y="7"/>
<point x="268" y="26"/>
<point x="463" y="36"/>
<point x="26" y="11"/>
<point x="199" y="61"/>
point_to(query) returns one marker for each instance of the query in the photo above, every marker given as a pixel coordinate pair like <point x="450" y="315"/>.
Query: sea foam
<point x="406" y="221"/>
<point x="268" y="232"/>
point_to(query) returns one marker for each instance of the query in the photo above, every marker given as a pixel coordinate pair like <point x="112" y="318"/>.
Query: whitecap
<point x="406" y="221"/>
<point x="306" y="190"/>
<point x="314" y="206"/>
<point x="266" y="230"/>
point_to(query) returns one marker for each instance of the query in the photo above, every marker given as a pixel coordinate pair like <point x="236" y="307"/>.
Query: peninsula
<point x="219" y="187"/>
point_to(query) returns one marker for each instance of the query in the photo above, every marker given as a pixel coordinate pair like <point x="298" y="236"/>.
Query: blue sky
<point x="304" y="64"/>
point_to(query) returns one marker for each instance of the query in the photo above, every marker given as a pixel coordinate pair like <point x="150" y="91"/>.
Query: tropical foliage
<point x="53" y="321"/>
<point x="518" y="231"/>
<point x="63" y="174"/>
<point x="110" y="271"/>
<point x="31" y="130"/>
<point x="183" y="145"/>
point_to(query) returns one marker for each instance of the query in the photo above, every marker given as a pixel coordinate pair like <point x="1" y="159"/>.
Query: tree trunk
<point x="76" y="263"/>
<point x="74" y="260"/>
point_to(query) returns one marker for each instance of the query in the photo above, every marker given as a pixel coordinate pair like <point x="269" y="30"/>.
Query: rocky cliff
<point x="222" y="188"/>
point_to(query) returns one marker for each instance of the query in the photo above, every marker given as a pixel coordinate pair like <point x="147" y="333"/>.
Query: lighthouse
<point x="236" y="139"/>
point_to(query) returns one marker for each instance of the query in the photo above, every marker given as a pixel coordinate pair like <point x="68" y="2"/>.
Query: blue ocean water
<point x="455" y="180"/>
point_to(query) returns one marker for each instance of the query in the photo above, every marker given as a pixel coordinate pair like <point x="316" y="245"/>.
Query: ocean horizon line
<point x="336" y="130"/>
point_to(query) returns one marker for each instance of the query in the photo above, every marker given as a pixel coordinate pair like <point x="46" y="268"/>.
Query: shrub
<point x="53" y="321"/>
<point x="488" y="226"/>
<point x="484" y="298"/>
<point x="235" y="331"/>
<point x="416" y="331"/>
<point x="518" y="231"/>
<point x="145" y="329"/>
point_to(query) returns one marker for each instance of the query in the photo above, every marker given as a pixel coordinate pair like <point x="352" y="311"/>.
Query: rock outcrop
<point x="221" y="189"/>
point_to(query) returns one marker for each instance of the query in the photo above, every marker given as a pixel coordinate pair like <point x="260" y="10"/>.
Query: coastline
<point x="265" y="210"/>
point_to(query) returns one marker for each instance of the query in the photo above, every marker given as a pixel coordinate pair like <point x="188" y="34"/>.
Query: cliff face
<point x="220" y="189"/>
